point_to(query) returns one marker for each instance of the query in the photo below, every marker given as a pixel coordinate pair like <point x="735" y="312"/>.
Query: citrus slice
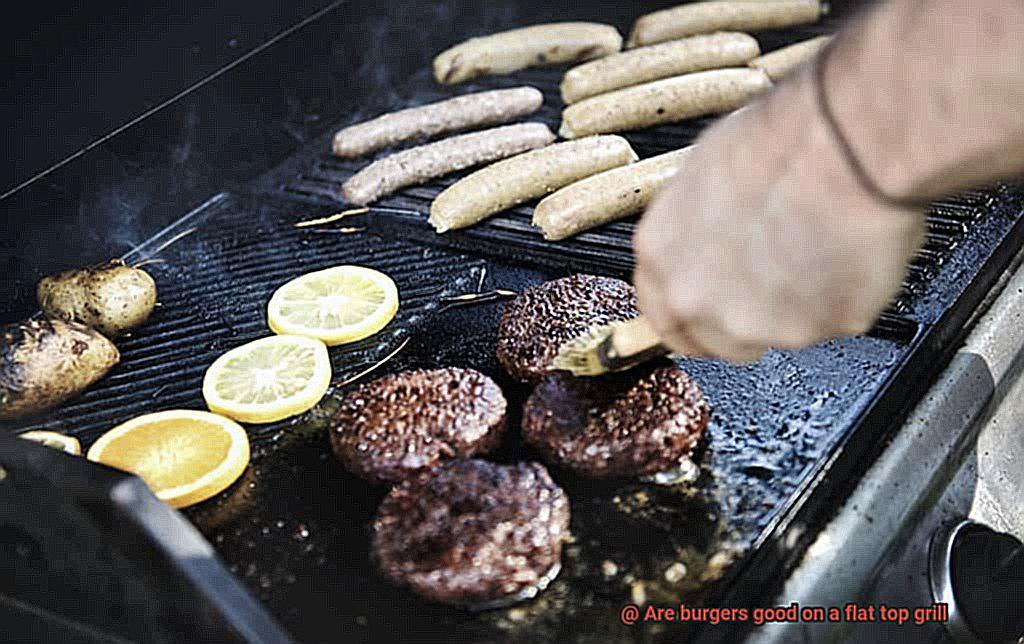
<point x="268" y="379"/>
<point x="337" y="305"/>
<point x="64" y="443"/>
<point x="184" y="456"/>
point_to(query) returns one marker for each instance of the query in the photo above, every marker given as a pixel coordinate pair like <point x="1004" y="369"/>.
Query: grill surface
<point x="788" y="434"/>
<point x="213" y="291"/>
<point x="317" y="178"/>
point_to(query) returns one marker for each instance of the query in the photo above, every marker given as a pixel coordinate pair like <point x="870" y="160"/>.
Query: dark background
<point x="77" y="73"/>
<point x="74" y="72"/>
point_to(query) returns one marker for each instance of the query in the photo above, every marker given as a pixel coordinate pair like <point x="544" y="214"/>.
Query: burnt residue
<point x="47" y="361"/>
<point x="629" y="540"/>
<point x="13" y="337"/>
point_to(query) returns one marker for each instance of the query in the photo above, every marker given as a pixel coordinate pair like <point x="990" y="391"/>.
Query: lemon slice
<point x="183" y="456"/>
<point x="268" y="379"/>
<point x="64" y="443"/>
<point x="337" y="305"/>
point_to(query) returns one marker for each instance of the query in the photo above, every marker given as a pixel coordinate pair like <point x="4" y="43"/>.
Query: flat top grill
<point x="788" y="435"/>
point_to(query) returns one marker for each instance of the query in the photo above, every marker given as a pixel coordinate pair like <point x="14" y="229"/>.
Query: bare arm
<point x="931" y="93"/>
<point x="767" y="236"/>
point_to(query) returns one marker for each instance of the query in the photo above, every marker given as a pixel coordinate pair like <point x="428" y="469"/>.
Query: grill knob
<point x="979" y="574"/>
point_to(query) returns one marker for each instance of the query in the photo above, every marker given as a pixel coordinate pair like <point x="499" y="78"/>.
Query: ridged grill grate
<point x="606" y="250"/>
<point x="213" y="291"/>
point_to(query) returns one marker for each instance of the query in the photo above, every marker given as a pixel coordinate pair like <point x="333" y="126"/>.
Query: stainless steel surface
<point x="959" y="454"/>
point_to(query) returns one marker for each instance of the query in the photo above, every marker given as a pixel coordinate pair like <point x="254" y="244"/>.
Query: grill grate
<point x="213" y="291"/>
<point x="608" y="249"/>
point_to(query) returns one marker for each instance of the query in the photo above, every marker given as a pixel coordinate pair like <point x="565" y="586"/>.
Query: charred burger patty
<point x="625" y="424"/>
<point x="392" y="427"/>
<point x="470" y="532"/>
<point x="541" y="319"/>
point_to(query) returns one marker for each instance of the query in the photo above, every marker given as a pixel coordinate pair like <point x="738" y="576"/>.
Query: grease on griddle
<point x="329" y="219"/>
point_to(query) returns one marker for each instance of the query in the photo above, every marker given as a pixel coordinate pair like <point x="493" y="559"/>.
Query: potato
<point x="45" y="362"/>
<point x="112" y="298"/>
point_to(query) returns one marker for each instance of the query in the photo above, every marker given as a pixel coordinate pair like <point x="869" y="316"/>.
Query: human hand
<point x="765" y="238"/>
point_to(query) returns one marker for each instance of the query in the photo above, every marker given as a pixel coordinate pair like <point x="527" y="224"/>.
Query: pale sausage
<point x="721" y="15"/>
<point x="524" y="177"/>
<point x="646" y="64"/>
<point x="509" y="51"/>
<point x="451" y="115"/>
<point x="664" y="101"/>
<point x="423" y="163"/>
<point x="605" y="197"/>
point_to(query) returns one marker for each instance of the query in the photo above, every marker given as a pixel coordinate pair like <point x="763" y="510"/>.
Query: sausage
<point x="663" y="101"/>
<point x="509" y="51"/>
<point x="47" y="361"/>
<point x="527" y="176"/>
<point x="112" y="298"/>
<point x="782" y="61"/>
<point x="721" y="15"/>
<point x="459" y="113"/>
<point x="637" y="66"/>
<point x="605" y="197"/>
<point x="421" y="164"/>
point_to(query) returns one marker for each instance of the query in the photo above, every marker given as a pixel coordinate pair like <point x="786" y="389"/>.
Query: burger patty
<point x="471" y="532"/>
<point x="536" y="324"/>
<point x="390" y="428"/>
<point x="633" y="423"/>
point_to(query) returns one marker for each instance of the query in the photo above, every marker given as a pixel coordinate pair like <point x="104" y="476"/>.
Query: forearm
<point x="930" y="93"/>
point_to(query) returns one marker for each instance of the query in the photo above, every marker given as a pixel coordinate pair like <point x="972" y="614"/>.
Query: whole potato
<point x="45" y="362"/>
<point x="112" y="298"/>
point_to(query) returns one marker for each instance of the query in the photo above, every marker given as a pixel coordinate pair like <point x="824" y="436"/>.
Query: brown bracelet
<point x="859" y="171"/>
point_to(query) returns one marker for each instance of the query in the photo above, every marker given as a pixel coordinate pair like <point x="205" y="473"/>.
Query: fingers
<point x="669" y="327"/>
<point x="718" y="342"/>
<point x="688" y="332"/>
